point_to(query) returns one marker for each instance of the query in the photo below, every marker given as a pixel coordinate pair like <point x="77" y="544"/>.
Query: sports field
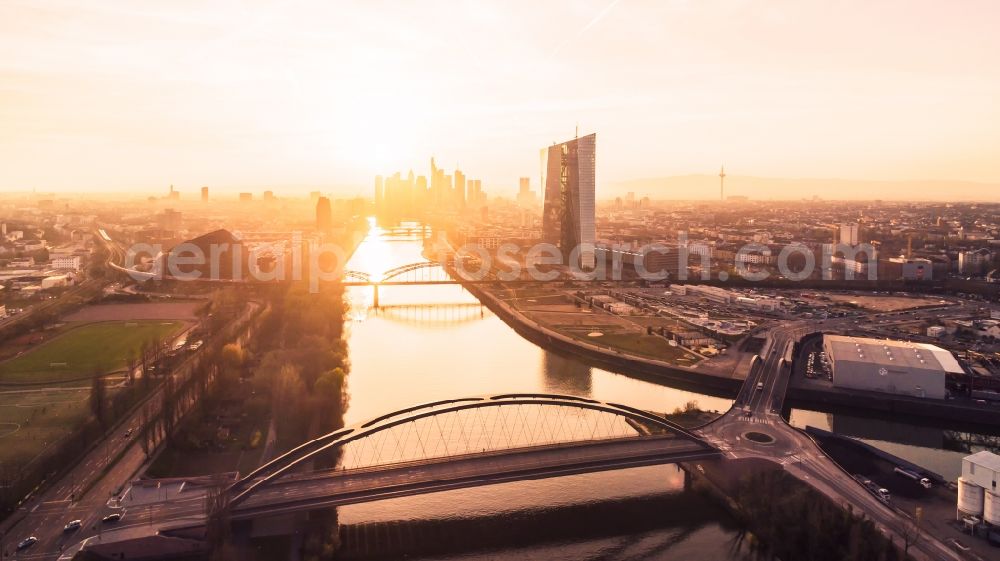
<point x="81" y="351"/>
<point x="32" y="420"/>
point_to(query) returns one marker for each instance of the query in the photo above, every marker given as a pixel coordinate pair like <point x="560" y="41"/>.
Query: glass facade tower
<point x="568" y="216"/>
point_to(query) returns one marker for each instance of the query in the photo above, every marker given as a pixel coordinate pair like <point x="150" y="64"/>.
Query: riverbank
<point x="722" y="384"/>
<point x="531" y="532"/>
<point x="957" y="415"/>
<point x="699" y="379"/>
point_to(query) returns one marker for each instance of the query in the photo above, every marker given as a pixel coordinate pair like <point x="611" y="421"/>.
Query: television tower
<point x="722" y="183"/>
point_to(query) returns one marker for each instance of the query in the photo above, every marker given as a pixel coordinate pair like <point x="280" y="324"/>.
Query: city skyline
<point x="127" y="99"/>
<point x="348" y="281"/>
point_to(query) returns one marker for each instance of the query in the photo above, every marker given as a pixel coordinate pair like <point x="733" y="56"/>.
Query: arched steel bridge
<point x="436" y="272"/>
<point x="420" y="273"/>
<point x="423" y="272"/>
<point x="463" y="442"/>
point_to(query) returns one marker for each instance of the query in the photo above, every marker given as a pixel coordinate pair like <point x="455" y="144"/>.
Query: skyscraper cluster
<point x="399" y="197"/>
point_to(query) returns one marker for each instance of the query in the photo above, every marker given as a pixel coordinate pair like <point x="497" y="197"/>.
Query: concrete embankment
<point x="955" y="413"/>
<point x="865" y="448"/>
<point x="703" y="381"/>
<point x="528" y="528"/>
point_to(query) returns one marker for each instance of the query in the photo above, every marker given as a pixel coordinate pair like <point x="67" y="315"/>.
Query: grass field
<point x="642" y="344"/>
<point x="83" y="350"/>
<point x="32" y="420"/>
<point x="631" y="342"/>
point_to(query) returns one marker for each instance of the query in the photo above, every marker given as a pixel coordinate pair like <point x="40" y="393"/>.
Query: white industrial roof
<point x="986" y="459"/>
<point x="902" y="354"/>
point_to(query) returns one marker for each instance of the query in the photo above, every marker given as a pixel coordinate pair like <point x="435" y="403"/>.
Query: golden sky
<point x="100" y="95"/>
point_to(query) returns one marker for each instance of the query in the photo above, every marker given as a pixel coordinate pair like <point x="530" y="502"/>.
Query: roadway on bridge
<point x="300" y="493"/>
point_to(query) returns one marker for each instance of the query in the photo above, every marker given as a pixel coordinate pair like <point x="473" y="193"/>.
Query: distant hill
<point x="706" y="187"/>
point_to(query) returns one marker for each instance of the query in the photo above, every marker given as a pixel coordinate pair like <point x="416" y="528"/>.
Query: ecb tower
<point x="568" y="217"/>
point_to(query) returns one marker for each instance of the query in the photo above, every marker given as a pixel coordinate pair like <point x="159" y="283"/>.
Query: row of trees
<point x="209" y="375"/>
<point x="303" y="366"/>
<point x="300" y="379"/>
<point x="298" y="360"/>
<point x="791" y="520"/>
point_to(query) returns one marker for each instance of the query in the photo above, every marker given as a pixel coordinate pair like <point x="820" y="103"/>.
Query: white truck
<point x="923" y="481"/>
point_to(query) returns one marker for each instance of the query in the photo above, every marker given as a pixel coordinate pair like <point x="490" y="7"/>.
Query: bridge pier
<point x="376" y="297"/>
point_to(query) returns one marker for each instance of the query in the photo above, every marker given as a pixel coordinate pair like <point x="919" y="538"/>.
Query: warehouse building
<point x="896" y="367"/>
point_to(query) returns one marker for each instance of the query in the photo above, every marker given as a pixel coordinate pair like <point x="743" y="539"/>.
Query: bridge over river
<point x="445" y="445"/>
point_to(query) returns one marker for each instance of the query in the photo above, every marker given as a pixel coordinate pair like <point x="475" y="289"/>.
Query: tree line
<point x="299" y="381"/>
<point x="788" y="519"/>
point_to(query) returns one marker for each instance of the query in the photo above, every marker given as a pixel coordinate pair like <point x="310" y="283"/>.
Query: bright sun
<point x="379" y="132"/>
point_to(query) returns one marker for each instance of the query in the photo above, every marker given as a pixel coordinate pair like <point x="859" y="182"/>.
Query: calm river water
<point x="427" y="343"/>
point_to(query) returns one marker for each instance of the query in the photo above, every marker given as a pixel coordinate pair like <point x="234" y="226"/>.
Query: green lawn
<point x="32" y="421"/>
<point x="81" y="351"/>
<point x="651" y="346"/>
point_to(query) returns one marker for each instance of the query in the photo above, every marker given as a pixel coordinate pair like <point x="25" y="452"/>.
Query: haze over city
<point x="120" y="97"/>
<point x="643" y="280"/>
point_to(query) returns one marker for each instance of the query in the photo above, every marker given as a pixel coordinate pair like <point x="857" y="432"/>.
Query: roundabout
<point x="759" y="437"/>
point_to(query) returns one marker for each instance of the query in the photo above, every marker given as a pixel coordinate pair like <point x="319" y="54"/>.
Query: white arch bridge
<point x="447" y="445"/>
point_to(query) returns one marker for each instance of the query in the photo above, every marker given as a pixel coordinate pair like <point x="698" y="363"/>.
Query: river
<point x="427" y="343"/>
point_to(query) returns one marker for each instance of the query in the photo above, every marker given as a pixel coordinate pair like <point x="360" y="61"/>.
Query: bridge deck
<point x="328" y="489"/>
<point x="452" y="473"/>
<point x="490" y="281"/>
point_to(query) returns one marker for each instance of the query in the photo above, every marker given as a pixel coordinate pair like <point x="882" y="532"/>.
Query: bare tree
<point x="912" y="531"/>
<point x="145" y="427"/>
<point x="133" y="362"/>
<point x="98" y="399"/>
<point x="168" y="405"/>
<point x="144" y="359"/>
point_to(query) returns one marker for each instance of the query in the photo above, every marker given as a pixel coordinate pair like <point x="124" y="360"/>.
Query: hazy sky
<point x="130" y="94"/>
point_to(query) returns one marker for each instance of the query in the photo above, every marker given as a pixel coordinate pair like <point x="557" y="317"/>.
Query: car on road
<point x="113" y="517"/>
<point x="880" y="493"/>
<point x="883" y="495"/>
<point x="72" y="526"/>
<point x="128" y="433"/>
<point x="760" y="386"/>
<point x="27" y="542"/>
